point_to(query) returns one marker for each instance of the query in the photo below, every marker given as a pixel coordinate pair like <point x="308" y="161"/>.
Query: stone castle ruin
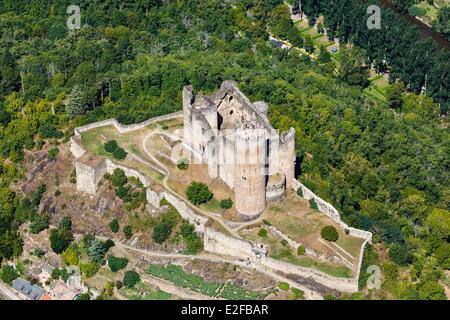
<point x="234" y="137"/>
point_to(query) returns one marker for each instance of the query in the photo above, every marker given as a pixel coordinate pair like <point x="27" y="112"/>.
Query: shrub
<point x="65" y="223"/>
<point x="283" y="286"/>
<point x="442" y="255"/>
<point x="297" y="294"/>
<point x="300" y="192"/>
<point x="116" y="264"/>
<point x="111" y="146"/>
<point x="301" y="250"/>
<point x="183" y="164"/>
<point x="267" y="223"/>
<point x="89" y="269"/>
<point x="119" y="284"/>
<point x="70" y="256"/>
<point x="187" y="229"/>
<point x="198" y="193"/>
<point x="84" y="296"/>
<point x="97" y="251"/>
<point x="57" y="193"/>
<point x="114" y="226"/>
<point x="131" y="278"/>
<point x="128" y="232"/>
<point x="119" y="178"/>
<point x="262" y="233"/>
<point x="284" y="242"/>
<point x="60" y="239"/>
<point x="400" y="254"/>
<point x="313" y="204"/>
<point x="109" y="244"/>
<point x="119" y="154"/>
<point x="52" y="153"/>
<point x="161" y="232"/>
<point x="8" y="274"/>
<point x="193" y="242"/>
<point x="329" y="233"/>
<point x="39" y="223"/>
<point x="165" y="127"/>
<point x="226" y="203"/>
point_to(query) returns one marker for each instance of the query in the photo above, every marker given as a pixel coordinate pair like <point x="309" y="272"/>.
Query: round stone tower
<point x="250" y="177"/>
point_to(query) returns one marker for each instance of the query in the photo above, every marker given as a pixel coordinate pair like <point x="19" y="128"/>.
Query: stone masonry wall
<point x="186" y="212"/>
<point x="331" y="212"/>
<point x="220" y="243"/>
<point x="122" y="128"/>
<point x="341" y="284"/>
<point x="76" y="149"/>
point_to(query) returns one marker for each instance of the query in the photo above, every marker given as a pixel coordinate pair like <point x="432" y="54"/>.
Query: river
<point x="425" y="31"/>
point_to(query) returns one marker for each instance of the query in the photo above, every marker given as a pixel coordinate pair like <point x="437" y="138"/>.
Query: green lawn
<point x="212" y="205"/>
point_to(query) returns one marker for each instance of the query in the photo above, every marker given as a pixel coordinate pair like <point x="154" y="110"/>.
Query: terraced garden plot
<point x="143" y="291"/>
<point x="177" y="276"/>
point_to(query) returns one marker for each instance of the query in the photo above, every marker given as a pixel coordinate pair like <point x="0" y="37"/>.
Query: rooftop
<point x="32" y="292"/>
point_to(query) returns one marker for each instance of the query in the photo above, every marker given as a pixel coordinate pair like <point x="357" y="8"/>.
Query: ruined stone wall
<point x="111" y="166"/>
<point x="341" y="284"/>
<point x="330" y="211"/>
<point x="76" y="148"/>
<point x="227" y="160"/>
<point x="88" y="177"/>
<point x="220" y="243"/>
<point x="154" y="198"/>
<point x="186" y="212"/>
<point x="276" y="191"/>
<point x="126" y="128"/>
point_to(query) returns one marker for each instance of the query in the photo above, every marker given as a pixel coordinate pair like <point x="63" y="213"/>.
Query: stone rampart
<point x="330" y="211"/>
<point x="122" y="128"/>
<point x="186" y="212"/>
<point x="341" y="284"/>
<point x="76" y="148"/>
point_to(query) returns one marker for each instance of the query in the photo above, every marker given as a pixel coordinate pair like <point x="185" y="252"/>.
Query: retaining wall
<point x="186" y="212"/>
<point x="122" y="128"/>
<point x="331" y="212"/>
<point x="220" y="243"/>
<point x="341" y="284"/>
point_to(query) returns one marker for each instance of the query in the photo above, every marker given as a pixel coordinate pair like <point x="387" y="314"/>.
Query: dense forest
<point x="385" y="166"/>
<point x="395" y="47"/>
